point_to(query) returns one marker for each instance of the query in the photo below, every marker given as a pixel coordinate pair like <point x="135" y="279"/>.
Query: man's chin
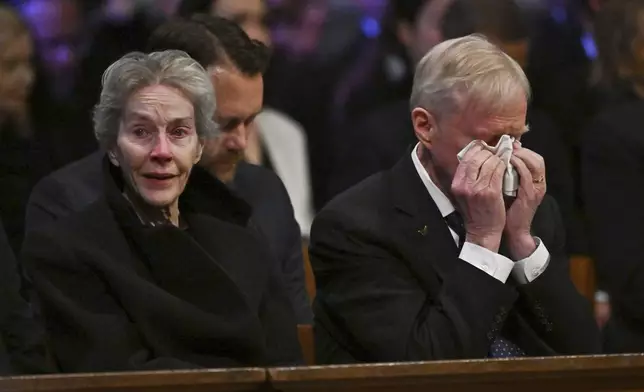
<point x="225" y="171"/>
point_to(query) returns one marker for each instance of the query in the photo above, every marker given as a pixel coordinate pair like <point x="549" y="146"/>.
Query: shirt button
<point x="536" y="272"/>
<point x="485" y="267"/>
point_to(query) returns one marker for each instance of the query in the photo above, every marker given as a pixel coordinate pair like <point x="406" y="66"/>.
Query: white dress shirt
<point x="286" y="144"/>
<point x="494" y="264"/>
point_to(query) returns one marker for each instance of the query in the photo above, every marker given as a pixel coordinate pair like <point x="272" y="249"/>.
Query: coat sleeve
<point x="88" y="329"/>
<point x="293" y="262"/>
<point x="46" y="204"/>
<point x="552" y="305"/>
<point x="278" y="320"/>
<point x="20" y="331"/>
<point x="371" y="296"/>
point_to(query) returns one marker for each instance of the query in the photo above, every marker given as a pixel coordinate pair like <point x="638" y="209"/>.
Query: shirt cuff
<point x="493" y="264"/>
<point x="530" y="268"/>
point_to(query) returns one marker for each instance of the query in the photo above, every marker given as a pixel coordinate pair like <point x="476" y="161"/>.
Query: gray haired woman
<point x="147" y="277"/>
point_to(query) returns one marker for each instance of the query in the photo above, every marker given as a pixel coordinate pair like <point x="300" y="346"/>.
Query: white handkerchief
<point x="503" y="150"/>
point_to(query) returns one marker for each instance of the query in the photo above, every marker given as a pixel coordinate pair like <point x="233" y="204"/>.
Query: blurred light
<point x="370" y="27"/>
<point x="559" y="14"/>
<point x="589" y="45"/>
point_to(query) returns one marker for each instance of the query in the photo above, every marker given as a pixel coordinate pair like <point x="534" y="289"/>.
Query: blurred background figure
<point x="613" y="168"/>
<point x="16" y="81"/>
<point x="57" y="28"/>
<point x="22" y="348"/>
<point x="374" y="130"/>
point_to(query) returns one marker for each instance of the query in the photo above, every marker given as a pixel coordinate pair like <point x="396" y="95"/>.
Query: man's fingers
<point x="496" y="179"/>
<point x="533" y="161"/>
<point x="525" y="176"/>
<point x="475" y="163"/>
<point x="471" y="152"/>
<point x="488" y="168"/>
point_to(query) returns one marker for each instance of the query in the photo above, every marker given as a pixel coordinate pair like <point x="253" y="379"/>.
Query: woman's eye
<point x="179" y="132"/>
<point x="140" y="132"/>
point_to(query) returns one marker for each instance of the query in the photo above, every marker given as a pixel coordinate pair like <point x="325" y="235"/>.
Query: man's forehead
<point x="228" y="80"/>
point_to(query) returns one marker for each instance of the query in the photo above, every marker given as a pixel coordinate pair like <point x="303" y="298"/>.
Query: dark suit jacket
<point x="79" y="184"/>
<point x="22" y="344"/>
<point x="388" y="292"/>
<point x="613" y="184"/>
<point x="120" y="295"/>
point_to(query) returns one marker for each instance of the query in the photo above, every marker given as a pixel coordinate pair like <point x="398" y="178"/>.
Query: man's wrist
<point x="521" y="246"/>
<point x="490" y="242"/>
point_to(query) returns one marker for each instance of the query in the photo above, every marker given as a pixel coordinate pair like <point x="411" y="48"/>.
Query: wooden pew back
<point x="603" y="373"/>
<point x="578" y="374"/>
<point x="215" y="380"/>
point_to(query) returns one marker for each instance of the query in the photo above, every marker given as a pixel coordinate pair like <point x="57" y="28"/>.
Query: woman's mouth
<point x="159" y="179"/>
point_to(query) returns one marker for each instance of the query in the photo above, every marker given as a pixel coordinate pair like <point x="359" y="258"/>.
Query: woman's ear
<point x="111" y="155"/>
<point x="199" y="151"/>
<point x="425" y="126"/>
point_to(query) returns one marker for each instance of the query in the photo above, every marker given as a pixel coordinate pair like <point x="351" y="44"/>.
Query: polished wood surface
<point x="583" y="374"/>
<point x="307" y="343"/>
<point x="308" y="271"/>
<point x="250" y="379"/>
<point x="599" y="373"/>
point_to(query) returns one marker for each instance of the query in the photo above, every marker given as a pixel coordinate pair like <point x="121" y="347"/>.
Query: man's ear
<point x="425" y="126"/>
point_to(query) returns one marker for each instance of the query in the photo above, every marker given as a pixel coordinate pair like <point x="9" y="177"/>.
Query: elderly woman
<point x="146" y="278"/>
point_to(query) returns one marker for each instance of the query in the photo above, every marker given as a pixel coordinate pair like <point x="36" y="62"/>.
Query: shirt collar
<point x="443" y="203"/>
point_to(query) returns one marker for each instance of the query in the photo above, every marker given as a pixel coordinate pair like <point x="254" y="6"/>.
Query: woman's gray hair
<point x="134" y="71"/>
<point x="467" y="70"/>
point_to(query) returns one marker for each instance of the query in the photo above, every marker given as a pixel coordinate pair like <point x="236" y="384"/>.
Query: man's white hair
<point x="463" y="71"/>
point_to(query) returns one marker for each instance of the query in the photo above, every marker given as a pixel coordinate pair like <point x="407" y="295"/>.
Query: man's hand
<point x="477" y="190"/>
<point x="532" y="188"/>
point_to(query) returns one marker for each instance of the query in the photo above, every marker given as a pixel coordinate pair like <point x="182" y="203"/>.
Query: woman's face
<point x="157" y="144"/>
<point x="16" y="73"/>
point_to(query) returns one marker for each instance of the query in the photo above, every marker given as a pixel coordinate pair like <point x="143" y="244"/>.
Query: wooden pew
<point x="307" y="343"/>
<point x="567" y="374"/>
<point x="308" y="271"/>
<point x="244" y="380"/>
<point x="582" y="274"/>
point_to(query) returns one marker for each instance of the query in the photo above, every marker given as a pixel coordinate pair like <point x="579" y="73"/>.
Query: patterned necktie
<point x="501" y="347"/>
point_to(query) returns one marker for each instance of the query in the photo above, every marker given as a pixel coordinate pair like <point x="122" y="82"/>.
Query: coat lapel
<point x="183" y="268"/>
<point x="430" y="245"/>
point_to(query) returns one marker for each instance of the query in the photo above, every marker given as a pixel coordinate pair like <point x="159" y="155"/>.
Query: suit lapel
<point x="430" y="245"/>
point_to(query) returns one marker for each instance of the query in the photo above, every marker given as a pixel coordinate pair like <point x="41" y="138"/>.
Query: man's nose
<point x="238" y="138"/>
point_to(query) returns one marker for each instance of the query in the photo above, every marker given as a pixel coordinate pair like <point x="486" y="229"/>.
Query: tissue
<point x="503" y="150"/>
